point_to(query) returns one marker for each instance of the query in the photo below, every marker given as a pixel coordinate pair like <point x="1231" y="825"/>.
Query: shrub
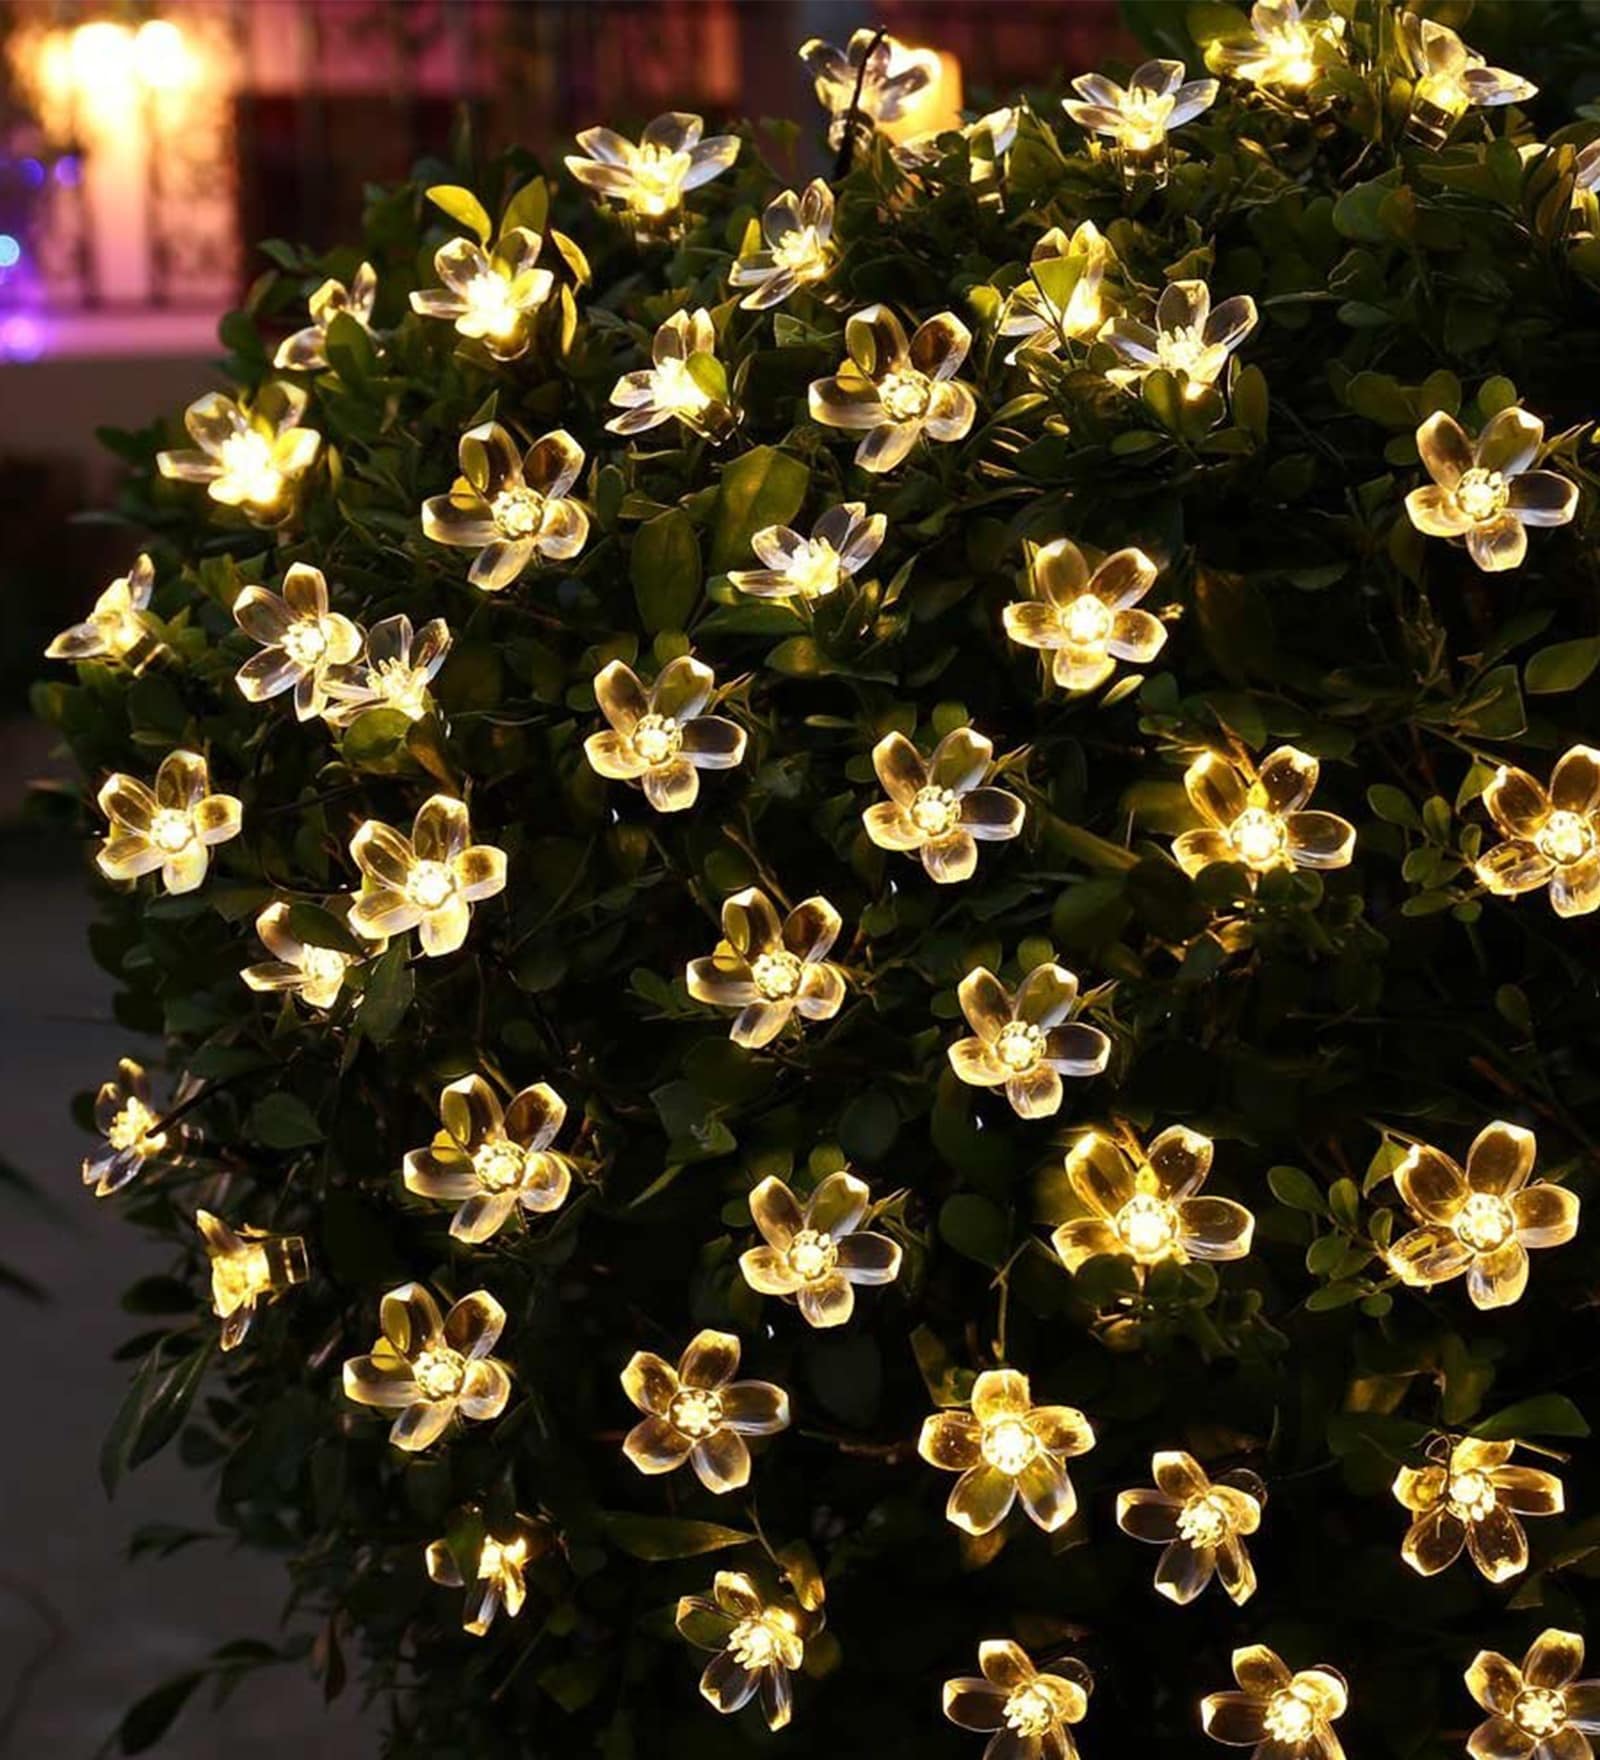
<point x="600" y="787"/>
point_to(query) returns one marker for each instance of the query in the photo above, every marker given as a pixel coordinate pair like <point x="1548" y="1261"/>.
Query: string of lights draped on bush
<point x="892" y="879"/>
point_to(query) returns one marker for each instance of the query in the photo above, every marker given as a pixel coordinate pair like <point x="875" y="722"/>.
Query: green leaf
<point x="147" y="1721"/>
<point x="350" y="350"/>
<point x="157" y="1402"/>
<point x="1296" y="1188"/>
<point x="529" y="208"/>
<point x="665" y="570"/>
<point x="464" y="208"/>
<point x="764" y="488"/>
<point x="1334" y="1295"/>
<point x="1394" y="804"/>
<point x="1250" y="402"/>
<point x="975" y="1228"/>
<point x="317" y="927"/>
<point x="868" y="1127"/>
<point x="660" y="1537"/>
<point x="282" y="1121"/>
<point x="1547" y="1414"/>
<point x="1561" y="667"/>
<point x="389" y="989"/>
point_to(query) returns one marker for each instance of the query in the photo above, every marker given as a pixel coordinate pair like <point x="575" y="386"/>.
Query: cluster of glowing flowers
<point x="649" y="178"/>
<point x="1201" y="1524"/>
<point x="499" y="1579"/>
<point x="396" y="670"/>
<point x="430" y="1367"/>
<point x="938" y="808"/>
<point x="895" y="389"/>
<point x="1086" y="622"/>
<point x="248" y="1268"/>
<point x="1283" y="1716"/>
<point x="1026" y="1042"/>
<point x="1144" y="1204"/>
<point x="1540" y="1711"/>
<point x="1258" y="818"/>
<point x="769" y="968"/>
<point x="758" y="1645"/>
<point x="428" y="881"/>
<point x="307" y="350"/>
<point x="492" y="297"/>
<point x="1551" y="838"/>
<point x="174" y="827"/>
<point x="1586" y="186"/>
<point x="661" y="739"/>
<point x="491" y="1160"/>
<point x="873" y="76"/>
<point x="1483" y="491"/>
<point x="1451" y="79"/>
<point x="251" y="454"/>
<point x="698" y="1413"/>
<point x="1140" y="116"/>
<point x="512" y="508"/>
<point x="1189" y="338"/>
<point x="1481" y="1220"/>
<point x="1286" y="39"/>
<point x="842" y="542"/>
<point x="793" y="249"/>
<point x="685" y="382"/>
<point x="1469" y="1496"/>
<point x="134" y="1136"/>
<point x="1060" y="300"/>
<point x="815" y="1253"/>
<point x="315" y="974"/>
<point x="1027" y="1711"/>
<point x="301" y="639"/>
<point x="1004" y="1448"/>
<point x="116" y="629"/>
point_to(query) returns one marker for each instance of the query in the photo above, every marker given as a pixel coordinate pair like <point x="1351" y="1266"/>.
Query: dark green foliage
<point x="1388" y="996"/>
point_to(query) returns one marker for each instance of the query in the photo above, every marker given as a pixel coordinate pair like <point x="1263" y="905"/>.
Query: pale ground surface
<point x="84" y="1632"/>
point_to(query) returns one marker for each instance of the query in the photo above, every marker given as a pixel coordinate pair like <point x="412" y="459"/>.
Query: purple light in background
<point x="22" y="338"/>
<point x="32" y="172"/>
<point x="68" y="170"/>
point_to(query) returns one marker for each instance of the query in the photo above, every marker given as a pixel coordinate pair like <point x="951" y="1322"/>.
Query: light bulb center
<point x="776" y="974"/>
<point x="1147" y="1227"/>
<point x="814" y="570"/>
<point x="1259" y="838"/>
<point x="1539" y="1711"/>
<point x="1471" y="1495"/>
<point x="1087" y="621"/>
<point x="1029" y="1711"/>
<point x="1290" y="1717"/>
<point x="812" y="1255"/>
<point x="936" y="812"/>
<point x="518" y="512"/>
<point x="172" y="831"/>
<point x="1204" y="1520"/>
<point x="1482" y="494"/>
<point x="1019" y="1045"/>
<point x="1485" y="1222"/>
<point x="430" y="885"/>
<point x="305" y="641"/>
<point x="1008" y="1445"/>
<point x="905" y="394"/>
<point x="657" y="739"/>
<point x="696" y="1411"/>
<point x="1565" y="837"/>
<point x="499" y="1164"/>
<point x="439" y="1372"/>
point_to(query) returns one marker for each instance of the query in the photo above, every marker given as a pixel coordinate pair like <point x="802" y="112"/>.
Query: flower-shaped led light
<point x="134" y="1136"/>
<point x="1086" y="622"/>
<point x="648" y="180"/>
<point x="1138" y="118"/>
<point x="300" y="640"/>
<point x="1286" y="37"/>
<point x="698" y="1413"/>
<point x="1006" y="1447"/>
<point x="251" y="453"/>
<point x="1481" y="1220"/>
<point x="1586" y="188"/>
<point x="116" y="629"/>
<point x="248" y="1268"/>
<point x="1551" y="838"/>
<point x="938" y="808"/>
<point x="815" y="1253"/>
<point x="758" y="1645"/>
<point x="1060" y="300"/>
<point x="492" y="297"/>
<point x="1257" y="817"/>
<point x="1283" y="1716"/>
<point x="1028" y="1712"/>
<point x="1189" y="338"/>
<point x="685" y="382"/>
<point x="428" y="881"/>
<point x="898" y="390"/>
<point x="1483" y="491"/>
<point x="1026" y="1043"/>
<point x="511" y="507"/>
<point x="307" y="350"/>
<point x="1144" y="1204"/>
<point x="770" y="968"/>
<point x="500" y="1580"/>
<point x="174" y="828"/>
<point x="315" y="974"/>
<point x="797" y="248"/>
<point x="396" y="671"/>
<point x="1200" y="1522"/>
<point x="1540" y="1711"/>
<point x="880" y="79"/>
<point x="1469" y="1496"/>
<point x="660" y="738"/>
<point x="842" y="542"/>
<point x="1450" y="79"/>
<point x="491" y="1160"/>
<point x="432" y="1367"/>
